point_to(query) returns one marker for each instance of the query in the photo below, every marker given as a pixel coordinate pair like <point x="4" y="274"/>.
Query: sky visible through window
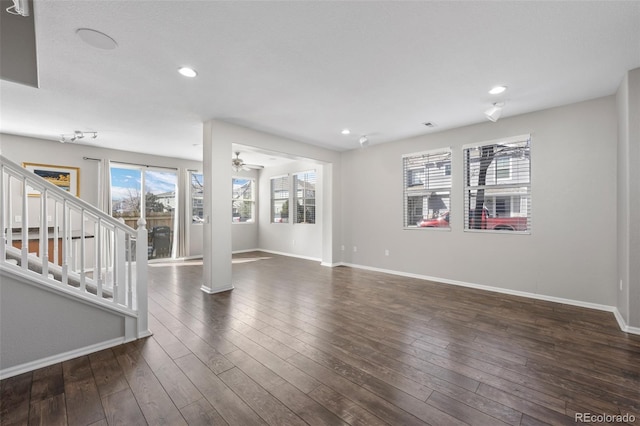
<point x="126" y="182"/>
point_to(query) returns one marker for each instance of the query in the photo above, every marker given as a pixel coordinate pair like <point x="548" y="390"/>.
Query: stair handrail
<point x="135" y="284"/>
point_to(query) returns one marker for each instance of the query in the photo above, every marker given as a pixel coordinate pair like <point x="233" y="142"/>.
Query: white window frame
<point x="200" y="221"/>
<point x="518" y="185"/>
<point x="438" y="185"/>
<point x="273" y="200"/>
<point x="308" y="177"/>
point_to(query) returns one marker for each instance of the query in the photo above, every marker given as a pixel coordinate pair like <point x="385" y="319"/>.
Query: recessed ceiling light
<point x="345" y="131"/>
<point x="497" y="90"/>
<point x="96" y="39"/>
<point x="187" y="72"/>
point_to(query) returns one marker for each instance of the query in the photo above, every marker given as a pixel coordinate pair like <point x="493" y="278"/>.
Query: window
<point x="242" y="203"/>
<point x="497" y="194"/>
<point x="503" y="168"/>
<point x="148" y="193"/>
<point x="197" y="198"/>
<point x="280" y="199"/>
<point x="305" y="196"/>
<point x="427" y="189"/>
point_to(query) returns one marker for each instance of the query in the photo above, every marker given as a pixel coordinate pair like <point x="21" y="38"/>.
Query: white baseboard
<point x="316" y="259"/>
<point x="54" y="359"/>
<point x="621" y="323"/>
<point x="331" y="265"/>
<point x="210" y="290"/>
<point x="245" y="251"/>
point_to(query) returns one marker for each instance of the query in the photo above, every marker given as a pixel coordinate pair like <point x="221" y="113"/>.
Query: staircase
<point x="73" y="279"/>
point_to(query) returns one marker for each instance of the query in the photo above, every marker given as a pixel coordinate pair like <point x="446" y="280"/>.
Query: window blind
<point x="497" y="191"/>
<point x="427" y="189"/>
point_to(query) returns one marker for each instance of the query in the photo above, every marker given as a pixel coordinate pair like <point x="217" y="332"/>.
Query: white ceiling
<point x="305" y="70"/>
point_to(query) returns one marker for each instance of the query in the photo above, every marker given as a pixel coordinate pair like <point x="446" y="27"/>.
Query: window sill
<point x="494" y="231"/>
<point x="430" y="228"/>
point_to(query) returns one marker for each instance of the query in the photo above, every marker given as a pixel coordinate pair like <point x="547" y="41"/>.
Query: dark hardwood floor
<point x="296" y="343"/>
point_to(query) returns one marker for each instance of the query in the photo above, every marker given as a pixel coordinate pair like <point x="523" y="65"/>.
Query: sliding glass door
<point x="139" y="191"/>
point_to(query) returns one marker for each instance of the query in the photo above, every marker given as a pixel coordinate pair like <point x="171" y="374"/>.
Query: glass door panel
<point x="160" y="209"/>
<point x="157" y="207"/>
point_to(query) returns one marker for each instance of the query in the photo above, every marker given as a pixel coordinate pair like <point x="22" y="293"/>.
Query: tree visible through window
<point x="497" y="193"/>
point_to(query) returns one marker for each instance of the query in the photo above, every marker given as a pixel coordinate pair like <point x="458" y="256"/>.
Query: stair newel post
<point x="44" y="234"/>
<point x="130" y="258"/>
<point x="119" y="264"/>
<point x="141" y="277"/>
<point x="25" y="225"/>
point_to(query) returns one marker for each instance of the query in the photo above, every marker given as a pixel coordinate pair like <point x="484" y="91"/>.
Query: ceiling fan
<point x="238" y="164"/>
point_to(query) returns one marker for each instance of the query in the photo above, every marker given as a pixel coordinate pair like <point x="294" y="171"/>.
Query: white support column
<point x="217" y="154"/>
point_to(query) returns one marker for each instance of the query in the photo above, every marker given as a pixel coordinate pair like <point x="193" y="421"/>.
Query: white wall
<point x="298" y="239"/>
<point x="571" y="252"/>
<point x="628" y="178"/>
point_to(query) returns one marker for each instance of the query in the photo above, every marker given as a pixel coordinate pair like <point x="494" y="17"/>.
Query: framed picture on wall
<point x="66" y="178"/>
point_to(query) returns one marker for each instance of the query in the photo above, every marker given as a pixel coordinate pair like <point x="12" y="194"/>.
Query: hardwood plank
<point x="179" y="388"/>
<point x="121" y="408"/>
<point x="297" y="401"/>
<point x="15" y="393"/>
<point x="290" y="373"/>
<point x="107" y="372"/>
<point x="533" y="410"/>
<point x="48" y="412"/>
<point x="47" y="382"/>
<point x="263" y="403"/>
<point x="155" y="403"/>
<point x="201" y="413"/>
<point x="371" y="402"/>
<point x="462" y="412"/>
<point x="232" y="409"/>
<point x="83" y="402"/>
<point x="344" y="408"/>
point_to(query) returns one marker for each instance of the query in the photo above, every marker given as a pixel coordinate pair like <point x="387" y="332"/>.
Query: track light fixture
<point x="364" y="141"/>
<point x="20" y="8"/>
<point x="77" y="134"/>
<point x="494" y="113"/>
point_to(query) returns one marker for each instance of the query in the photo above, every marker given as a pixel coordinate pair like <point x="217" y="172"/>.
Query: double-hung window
<point x="242" y="203"/>
<point x="427" y="189"/>
<point x="305" y="196"/>
<point x="280" y="199"/>
<point x="497" y="185"/>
